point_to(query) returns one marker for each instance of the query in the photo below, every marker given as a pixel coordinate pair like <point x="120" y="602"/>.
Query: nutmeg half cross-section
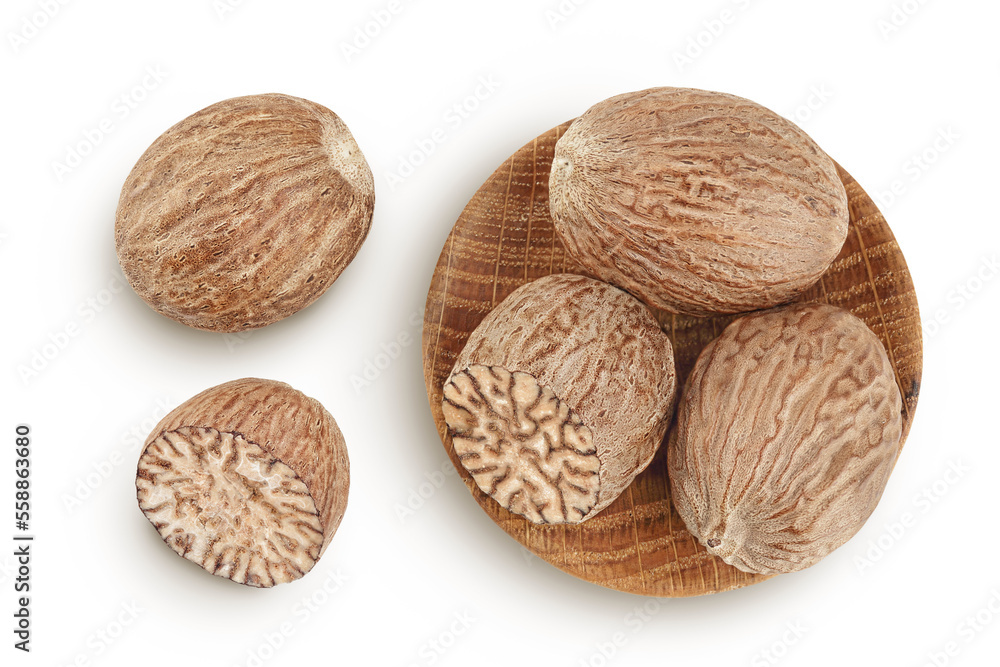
<point x="561" y="396"/>
<point x="248" y="479"/>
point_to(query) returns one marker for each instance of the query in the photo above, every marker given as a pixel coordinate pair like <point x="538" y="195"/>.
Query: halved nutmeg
<point x="560" y="398"/>
<point x="248" y="479"/>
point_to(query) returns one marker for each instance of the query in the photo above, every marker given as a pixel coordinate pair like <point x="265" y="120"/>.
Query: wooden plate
<point x="504" y="238"/>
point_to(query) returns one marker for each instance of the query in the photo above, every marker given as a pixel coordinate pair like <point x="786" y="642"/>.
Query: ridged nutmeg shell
<point x="244" y="212"/>
<point x="248" y="479"/>
<point x="561" y="396"/>
<point x="696" y="202"/>
<point x="787" y="429"/>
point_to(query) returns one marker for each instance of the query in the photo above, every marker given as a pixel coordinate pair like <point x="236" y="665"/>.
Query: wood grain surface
<point x="505" y="238"/>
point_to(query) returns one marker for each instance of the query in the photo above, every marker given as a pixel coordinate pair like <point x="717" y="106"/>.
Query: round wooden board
<point x="504" y="238"/>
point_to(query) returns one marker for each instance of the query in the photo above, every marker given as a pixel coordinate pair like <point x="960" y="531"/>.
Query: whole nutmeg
<point x="561" y="396"/>
<point x="248" y="479"/>
<point x="244" y="213"/>
<point x="696" y="202"/>
<point x="787" y="430"/>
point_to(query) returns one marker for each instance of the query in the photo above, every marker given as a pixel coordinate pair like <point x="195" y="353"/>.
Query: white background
<point x="888" y="80"/>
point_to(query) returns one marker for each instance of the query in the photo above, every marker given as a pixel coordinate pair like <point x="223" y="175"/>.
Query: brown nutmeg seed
<point x="696" y="202"/>
<point x="248" y="479"/>
<point x="244" y="213"/>
<point x="787" y="429"/>
<point x="561" y="396"/>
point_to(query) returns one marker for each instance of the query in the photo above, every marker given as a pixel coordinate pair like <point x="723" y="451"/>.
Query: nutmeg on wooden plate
<point x="244" y="212"/>
<point x="787" y="429"/>
<point x="701" y="205"/>
<point x="696" y="202"/>
<point x="561" y="397"/>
